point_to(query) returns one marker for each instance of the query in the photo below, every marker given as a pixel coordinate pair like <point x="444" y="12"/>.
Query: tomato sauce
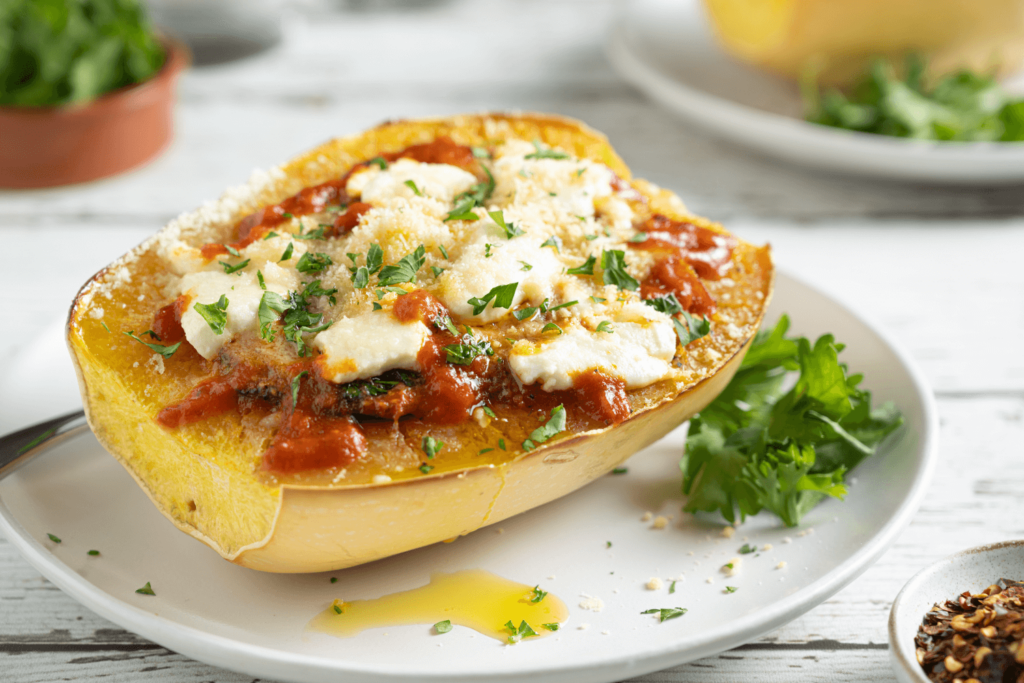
<point x="210" y="397"/>
<point x="673" y="275"/>
<point x="344" y="223"/>
<point x="167" y="321"/>
<point x="707" y="251"/>
<point x="602" y="397"/>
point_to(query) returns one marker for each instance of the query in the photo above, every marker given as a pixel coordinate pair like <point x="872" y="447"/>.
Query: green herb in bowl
<point x="761" y="445"/>
<point x="55" y="52"/>
<point x="962" y="106"/>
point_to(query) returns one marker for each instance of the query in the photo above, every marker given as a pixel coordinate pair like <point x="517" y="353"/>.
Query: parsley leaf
<point x="473" y="197"/>
<point x="411" y="184"/>
<point x="667" y="304"/>
<point x="551" y="242"/>
<point x="551" y="627"/>
<point x="215" y="314"/>
<point x="379" y="162"/>
<point x="691" y="328"/>
<point x="731" y="589"/>
<point x="586" y="269"/>
<point x="524" y="313"/>
<point x="760" y="447"/>
<point x="526" y="266"/>
<point x="613" y="263"/>
<point x="229" y="269"/>
<point x="288" y="251"/>
<point x="295" y="386"/>
<point x="502" y="296"/>
<point x="403" y="271"/>
<point x="538" y="594"/>
<point x="747" y="549"/>
<point x="272" y="305"/>
<point x="360" y="277"/>
<point x="146" y="590"/>
<point x="313" y="263"/>
<point x="554" y="426"/>
<point x="443" y="626"/>
<point x="551" y="327"/>
<point x="545" y="153"/>
<point x="432" y="446"/>
<point x="666" y="613"/>
<point x="510" y="228"/>
<point x="165" y="351"/>
<point x="467" y="351"/>
<point x="54" y="538"/>
<point x="606" y="326"/>
<point x="517" y="634"/>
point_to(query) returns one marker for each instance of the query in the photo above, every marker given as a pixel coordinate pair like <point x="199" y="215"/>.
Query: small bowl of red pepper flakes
<point x="961" y="620"/>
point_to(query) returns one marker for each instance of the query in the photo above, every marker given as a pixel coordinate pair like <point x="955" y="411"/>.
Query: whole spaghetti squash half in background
<point x="406" y="335"/>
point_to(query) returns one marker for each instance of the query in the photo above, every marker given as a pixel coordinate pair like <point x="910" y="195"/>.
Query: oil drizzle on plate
<point x="473" y="598"/>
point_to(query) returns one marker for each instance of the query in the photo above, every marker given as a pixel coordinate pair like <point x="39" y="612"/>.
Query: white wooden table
<point x="940" y="268"/>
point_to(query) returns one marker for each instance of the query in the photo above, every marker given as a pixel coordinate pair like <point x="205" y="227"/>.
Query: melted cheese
<point x="365" y="346"/>
<point x="243" y="293"/>
<point x="377" y="186"/>
<point x="636" y="353"/>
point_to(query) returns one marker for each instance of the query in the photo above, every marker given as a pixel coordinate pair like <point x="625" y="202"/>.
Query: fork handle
<point x="19" y="447"/>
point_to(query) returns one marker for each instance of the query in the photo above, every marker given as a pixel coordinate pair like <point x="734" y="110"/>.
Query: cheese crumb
<point x="781" y="565"/>
<point x="732" y="567"/>
<point x="728" y="532"/>
<point x="583" y="627"/>
<point x="606" y="633"/>
<point x="787" y="539"/>
<point x="381" y="479"/>
<point x="660" y="522"/>
<point x="711" y="580"/>
<point x="591" y="603"/>
<point x="647" y="517"/>
<point x="654" y="584"/>
<point x="767" y="547"/>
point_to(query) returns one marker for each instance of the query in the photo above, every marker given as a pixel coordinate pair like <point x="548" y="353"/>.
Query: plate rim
<point x="231" y="654"/>
<point x="733" y="121"/>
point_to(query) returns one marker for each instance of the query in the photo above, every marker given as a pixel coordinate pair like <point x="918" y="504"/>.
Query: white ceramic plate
<point x="254" y="623"/>
<point x="970" y="570"/>
<point x="666" y="48"/>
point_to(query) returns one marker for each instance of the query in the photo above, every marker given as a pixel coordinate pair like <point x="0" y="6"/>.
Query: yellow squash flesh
<point x="205" y="478"/>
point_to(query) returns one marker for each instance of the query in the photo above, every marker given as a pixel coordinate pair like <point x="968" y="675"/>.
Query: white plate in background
<point x="254" y="623"/>
<point x="666" y="48"/>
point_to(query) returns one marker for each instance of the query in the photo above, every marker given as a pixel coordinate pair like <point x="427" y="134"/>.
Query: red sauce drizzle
<point x="673" y="275"/>
<point x="419" y="305"/>
<point x="210" y="397"/>
<point x="167" y="321"/>
<point x="602" y="397"/>
<point x="442" y="150"/>
<point x="344" y="223"/>
<point x="709" y="252"/>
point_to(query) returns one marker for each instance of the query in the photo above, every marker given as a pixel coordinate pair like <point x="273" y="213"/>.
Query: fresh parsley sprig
<point x="165" y="351"/>
<point x="553" y="427"/>
<point x="502" y="296"/>
<point x="763" y="446"/>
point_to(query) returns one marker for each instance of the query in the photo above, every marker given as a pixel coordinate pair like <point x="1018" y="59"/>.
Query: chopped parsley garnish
<point x="444" y="322"/>
<point x="379" y="162"/>
<point x="317" y="234"/>
<point x="731" y="589"/>
<point x="145" y="590"/>
<point x="272" y="305"/>
<point x="313" y="263"/>
<point x="288" y="251"/>
<point x="425" y="468"/>
<point x="360" y="277"/>
<point x="586" y="269"/>
<point x="444" y="252"/>
<point x="666" y="613"/>
<point x="231" y="250"/>
<point x="229" y="269"/>
<point x="480" y="152"/>
<point x="538" y="594"/>
<point x="296" y="381"/>
<point x="93" y="553"/>
<point x="485" y="450"/>
<point x="691" y="328"/>
<point x="517" y="634"/>
<point x="672" y="587"/>
<point x="598" y="300"/>
<point x="374" y="258"/>
<point x="412" y="186"/>
<point x="487" y="250"/>
<point x="551" y="327"/>
<point x="297" y="319"/>
<point x="551" y="242"/>
<point x="613" y="263"/>
<point x="545" y="153"/>
<point x="762" y="445"/>
<point x="554" y="426"/>
<point x="269" y="235"/>
<point x="215" y="314"/>
<point x="551" y="627"/>
<point x="403" y="271"/>
<point x="606" y="326"/>
<point x="432" y="446"/>
<point x="338" y="607"/>
<point x="377" y="306"/>
<point x="443" y="626"/>
<point x="488" y="412"/>
<point x="436" y="271"/>
<point x="473" y="197"/>
<point x="747" y="549"/>
<point x="620" y="470"/>
<point x="104" y="324"/>
<point x="287" y="215"/>
<point x="667" y="304"/>
<point x="638" y="237"/>
<point x="524" y="313"/>
<point x="526" y="266"/>
<point x="567" y="304"/>
<point x="151" y="333"/>
<point x="165" y="351"/>
<point x="334" y="579"/>
<point x="467" y="351"/>
<point x="501" y="444"/>
<point x="607" y="544"/>
<point x="510" y="228"/>
<point x="499" y="297"/>
<point x="259" y="278"/>
<point x="54" y="538"/>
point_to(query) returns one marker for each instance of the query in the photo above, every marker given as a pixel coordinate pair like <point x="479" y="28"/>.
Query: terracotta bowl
<point x="49" y="146"/>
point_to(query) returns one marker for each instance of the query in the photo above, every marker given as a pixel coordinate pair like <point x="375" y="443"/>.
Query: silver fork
<point x="19" y="447"/>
